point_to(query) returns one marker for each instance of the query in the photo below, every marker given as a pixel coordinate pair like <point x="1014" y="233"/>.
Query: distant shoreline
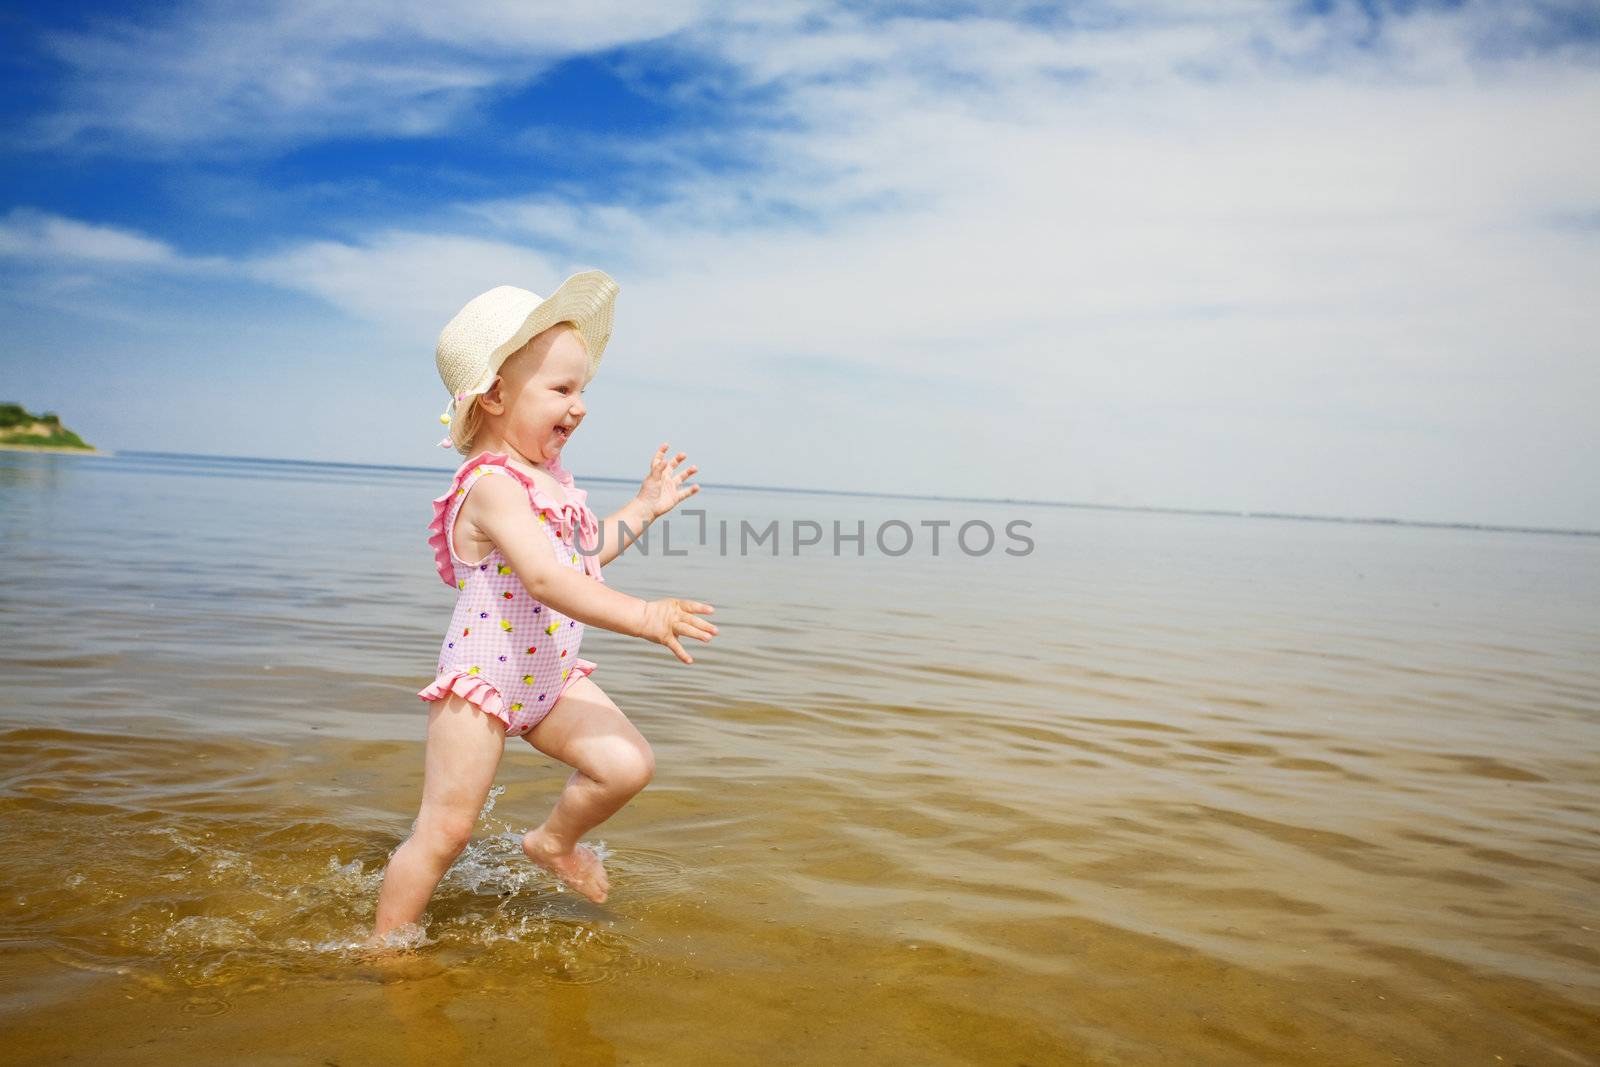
<point x="56" y="448"/>
<point x="1066" y="504"/>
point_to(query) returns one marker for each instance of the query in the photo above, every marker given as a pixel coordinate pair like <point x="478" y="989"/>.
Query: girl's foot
<point x="578" y="867"/>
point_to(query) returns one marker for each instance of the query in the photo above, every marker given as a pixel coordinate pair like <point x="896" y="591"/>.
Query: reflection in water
<point x="1172" y="789"/>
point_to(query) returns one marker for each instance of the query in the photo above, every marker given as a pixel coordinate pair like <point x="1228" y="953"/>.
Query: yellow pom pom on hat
<point x="493" y="325"/>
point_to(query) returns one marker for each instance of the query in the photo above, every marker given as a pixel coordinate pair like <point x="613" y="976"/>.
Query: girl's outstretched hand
<point x="662" y="488"/>
<point x="668" y="619"/>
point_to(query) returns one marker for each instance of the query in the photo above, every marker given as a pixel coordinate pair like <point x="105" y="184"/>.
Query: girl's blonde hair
<point x="465" y="426"/>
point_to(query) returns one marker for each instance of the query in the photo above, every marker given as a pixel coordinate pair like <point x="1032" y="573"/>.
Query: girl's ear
<point x="491" y="400"/>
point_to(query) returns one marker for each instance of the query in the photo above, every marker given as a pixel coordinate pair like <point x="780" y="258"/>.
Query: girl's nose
<point x="577" y="408"/>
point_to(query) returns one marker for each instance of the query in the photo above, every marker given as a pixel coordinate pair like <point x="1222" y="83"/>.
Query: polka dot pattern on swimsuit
<point x="504" y="651"/>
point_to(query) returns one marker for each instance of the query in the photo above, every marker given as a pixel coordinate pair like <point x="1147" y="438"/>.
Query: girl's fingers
<point x="690" y="626"/>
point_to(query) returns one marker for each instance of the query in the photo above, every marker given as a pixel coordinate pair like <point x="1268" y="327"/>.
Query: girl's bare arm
<point x="633" y="515"/>
<point x="498" y="509"/>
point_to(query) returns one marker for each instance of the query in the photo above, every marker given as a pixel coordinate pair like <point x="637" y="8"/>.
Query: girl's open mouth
<point x="563" y="433"/>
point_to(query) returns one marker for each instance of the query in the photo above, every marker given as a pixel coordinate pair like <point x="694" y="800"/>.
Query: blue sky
<point x="1329" y="258"/>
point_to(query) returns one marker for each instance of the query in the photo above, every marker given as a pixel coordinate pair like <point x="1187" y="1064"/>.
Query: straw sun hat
<point x="495" y="324"/>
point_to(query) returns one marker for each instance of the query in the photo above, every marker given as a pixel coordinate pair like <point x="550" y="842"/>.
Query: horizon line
<point x="1022" y="501"/>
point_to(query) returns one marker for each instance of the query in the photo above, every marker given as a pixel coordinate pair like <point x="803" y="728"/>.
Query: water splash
<point x="495" y="865"/>
<point x="221" y="906"/>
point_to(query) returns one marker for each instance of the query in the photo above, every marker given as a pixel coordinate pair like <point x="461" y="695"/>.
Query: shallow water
<point x="1168" y="789"/>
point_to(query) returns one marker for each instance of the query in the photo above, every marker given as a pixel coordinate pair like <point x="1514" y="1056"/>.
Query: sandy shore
<point x="56" y="448"/>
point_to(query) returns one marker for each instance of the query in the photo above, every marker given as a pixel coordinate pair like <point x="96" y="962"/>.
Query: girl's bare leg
<point x="463" y="752"/>
<point x="612" y="761"/>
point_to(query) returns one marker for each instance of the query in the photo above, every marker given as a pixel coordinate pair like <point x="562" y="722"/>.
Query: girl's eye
<point x="562" y="389"/>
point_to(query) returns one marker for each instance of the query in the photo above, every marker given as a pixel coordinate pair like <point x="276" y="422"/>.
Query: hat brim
<point x="586" y="300"/>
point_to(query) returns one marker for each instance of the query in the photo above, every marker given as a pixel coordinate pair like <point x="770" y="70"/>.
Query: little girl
<point x="516" y="540"/>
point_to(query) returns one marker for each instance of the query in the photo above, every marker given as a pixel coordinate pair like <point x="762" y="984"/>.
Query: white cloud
<point x="408" y="282"/>
<point x="218" y="77"/>
<point x="51" y="264"/>
<point x="34" y="235"/>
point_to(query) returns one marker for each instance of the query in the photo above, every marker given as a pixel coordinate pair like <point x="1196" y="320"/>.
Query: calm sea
<point x="1165" y="789"/>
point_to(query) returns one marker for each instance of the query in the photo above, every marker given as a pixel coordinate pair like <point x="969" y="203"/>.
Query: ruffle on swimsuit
<point x="481" y="693"/>
<point x="573" y="515"/>
<point x="477" y="691"/>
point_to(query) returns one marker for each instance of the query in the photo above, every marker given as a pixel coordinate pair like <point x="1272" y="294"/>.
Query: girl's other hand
<point x="668" y="619"/>
<point x="662" y="489"/>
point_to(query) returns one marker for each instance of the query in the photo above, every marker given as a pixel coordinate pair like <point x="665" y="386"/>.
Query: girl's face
<point x="537" y="401"/>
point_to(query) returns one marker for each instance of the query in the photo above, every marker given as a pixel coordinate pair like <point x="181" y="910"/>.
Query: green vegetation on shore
<point x="19" y="426"/>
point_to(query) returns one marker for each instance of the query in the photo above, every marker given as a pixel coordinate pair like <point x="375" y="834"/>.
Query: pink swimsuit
<point x="505" y="652"/>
